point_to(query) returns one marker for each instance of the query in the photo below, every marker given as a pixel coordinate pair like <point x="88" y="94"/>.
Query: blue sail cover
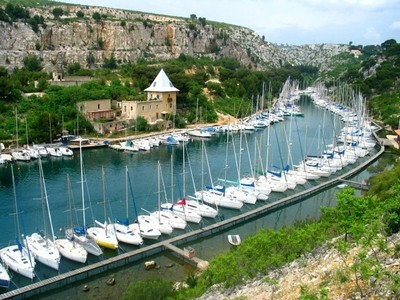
<point x="123" y="222"/>
<point x="80" y="230"/>
<point x="171" y="140"/>
<point x="18" y="243"/>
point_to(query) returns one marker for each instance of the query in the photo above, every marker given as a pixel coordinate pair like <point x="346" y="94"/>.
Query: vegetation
<point x="151" y="289"/>
<point x="233" y="89"/>
<point x="269" y="249"/>
<point x="226" y="86"/>
<point x="376" y="75"/>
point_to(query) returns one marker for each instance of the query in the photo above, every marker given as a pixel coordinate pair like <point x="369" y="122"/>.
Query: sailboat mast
<point x="82" y="188"/>
<point x="104" y="192"/>
<point x="183" y="171"/>
<point x="15" y="201"/>
<point x="46" y="198"/>
<point x="71" y="222"/>
<point x="16" y="126"/>
<point x="126" y="193"/>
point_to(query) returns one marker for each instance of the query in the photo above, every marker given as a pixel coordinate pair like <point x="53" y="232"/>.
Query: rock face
<point x="128" y="36"/>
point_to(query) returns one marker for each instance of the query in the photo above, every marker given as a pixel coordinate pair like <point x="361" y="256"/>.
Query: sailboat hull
<point x="20" y="262"/>
<point x="43" y="250"/>
<point x="71" y="250"/>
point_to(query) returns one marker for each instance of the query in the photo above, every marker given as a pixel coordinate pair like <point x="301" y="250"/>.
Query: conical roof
<point x="161" y="84"/>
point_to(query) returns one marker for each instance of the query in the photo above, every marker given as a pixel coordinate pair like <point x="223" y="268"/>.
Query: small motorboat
<point x="234" y="239"/>
<point x="342" y="185"/>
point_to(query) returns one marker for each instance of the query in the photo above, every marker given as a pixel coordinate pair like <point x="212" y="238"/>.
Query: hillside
<point x="64" y="34"/>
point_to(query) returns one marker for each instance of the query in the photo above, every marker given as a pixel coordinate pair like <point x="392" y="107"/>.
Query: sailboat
<point x="104" y="233"/>
<point x="67" y="246"/>
<point x="17" y="257"/>
<point x="80" y="234"/>
<point x="180" y="210"/>
<point x="213" y="196"/>
<point x="125" y="233"/>
<point x="43" y="247"/>
<point x="149" y="223"/>
<point x="148" y="230"/>
<point x="33" y="152"/>
<point x="167" y="215"/>
<point x="201" y="209"/>
<point x="235" y="192"/>
<point x="19" y="154"/>
<point x="4" y="277"/>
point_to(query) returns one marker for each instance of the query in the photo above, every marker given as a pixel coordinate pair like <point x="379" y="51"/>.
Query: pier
<point x="356" y="185"/>
<point x="175" y="244"/>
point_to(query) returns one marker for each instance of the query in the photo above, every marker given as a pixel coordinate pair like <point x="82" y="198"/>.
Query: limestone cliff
<point x="129" y="36"/>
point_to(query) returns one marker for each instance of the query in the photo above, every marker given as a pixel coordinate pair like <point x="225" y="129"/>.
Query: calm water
<point x="252" y="150"/>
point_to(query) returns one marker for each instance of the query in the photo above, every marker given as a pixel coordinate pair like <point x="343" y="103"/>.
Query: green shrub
<point x="152" y="289"/>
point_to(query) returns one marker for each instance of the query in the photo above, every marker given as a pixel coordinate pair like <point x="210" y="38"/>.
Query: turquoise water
<point x="252" y="150"/>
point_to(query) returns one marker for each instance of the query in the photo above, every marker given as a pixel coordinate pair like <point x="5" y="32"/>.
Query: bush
<point x="152" y="289"/>
<point x="58" y="12"/>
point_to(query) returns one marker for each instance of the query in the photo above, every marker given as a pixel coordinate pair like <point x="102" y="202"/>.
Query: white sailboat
<point x="182" y="211"/>
<point x="17" y="257"/>
<point x="19" y="154"/>
<point x="235" y="192"/>
<point x="5" y="278"/>
<point x="212" y="196"/>
<point x="104" y="233"/>
<point x="41" y="245"/>
<point x="194" y="204"/>
<point x="125" y="233"/>
<point x="149" y="221"/>
<point x="67" y="246"/>
<point x="80" y="233"/>
<point x="167" y="215"/>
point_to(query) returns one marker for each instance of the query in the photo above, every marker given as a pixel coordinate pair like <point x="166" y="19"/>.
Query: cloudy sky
<point x="295" y="22"/>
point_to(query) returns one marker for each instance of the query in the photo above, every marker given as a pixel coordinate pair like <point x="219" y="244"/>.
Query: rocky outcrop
<point x="128" y="36"/>
<point x="325" y="270"/>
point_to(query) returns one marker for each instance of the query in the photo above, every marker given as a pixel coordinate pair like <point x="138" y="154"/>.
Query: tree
<point x="58" y="12"/>
<point x="32" y="63"/>
<point x="141" y="123"/>
<point x="193" y="17"/>
<point x="90" y="59"/>
<point x="96" y="16"/>
<point x="202" y="21"/>
<point x="110" y="63"/>
<point x="80" y="14"/>
<point x="73" y="68"/>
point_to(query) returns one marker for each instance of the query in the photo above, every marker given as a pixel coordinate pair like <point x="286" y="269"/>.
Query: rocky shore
<point x="324" y="272"/>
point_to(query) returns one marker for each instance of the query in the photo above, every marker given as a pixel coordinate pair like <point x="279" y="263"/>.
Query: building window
<point x="170" y="106"/>
<point x="98" y="106"/>
<point x="131" y="108"/>
<point x="142" y="107"/>
<point x="124" y="108"/>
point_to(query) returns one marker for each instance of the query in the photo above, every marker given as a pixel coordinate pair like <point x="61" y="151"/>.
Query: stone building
<point x="161" y="101"/>
<point x="100" y="114"/>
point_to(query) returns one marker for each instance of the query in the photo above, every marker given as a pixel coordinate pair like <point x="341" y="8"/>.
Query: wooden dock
<point x="356" y="185"/>
<point x="184" y="255"/>
<point x="173" y="244"/>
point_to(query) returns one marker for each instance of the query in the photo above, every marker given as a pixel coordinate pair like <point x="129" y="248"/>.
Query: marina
<point x="226" y="218"/>
<point x="172" y="244"/>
